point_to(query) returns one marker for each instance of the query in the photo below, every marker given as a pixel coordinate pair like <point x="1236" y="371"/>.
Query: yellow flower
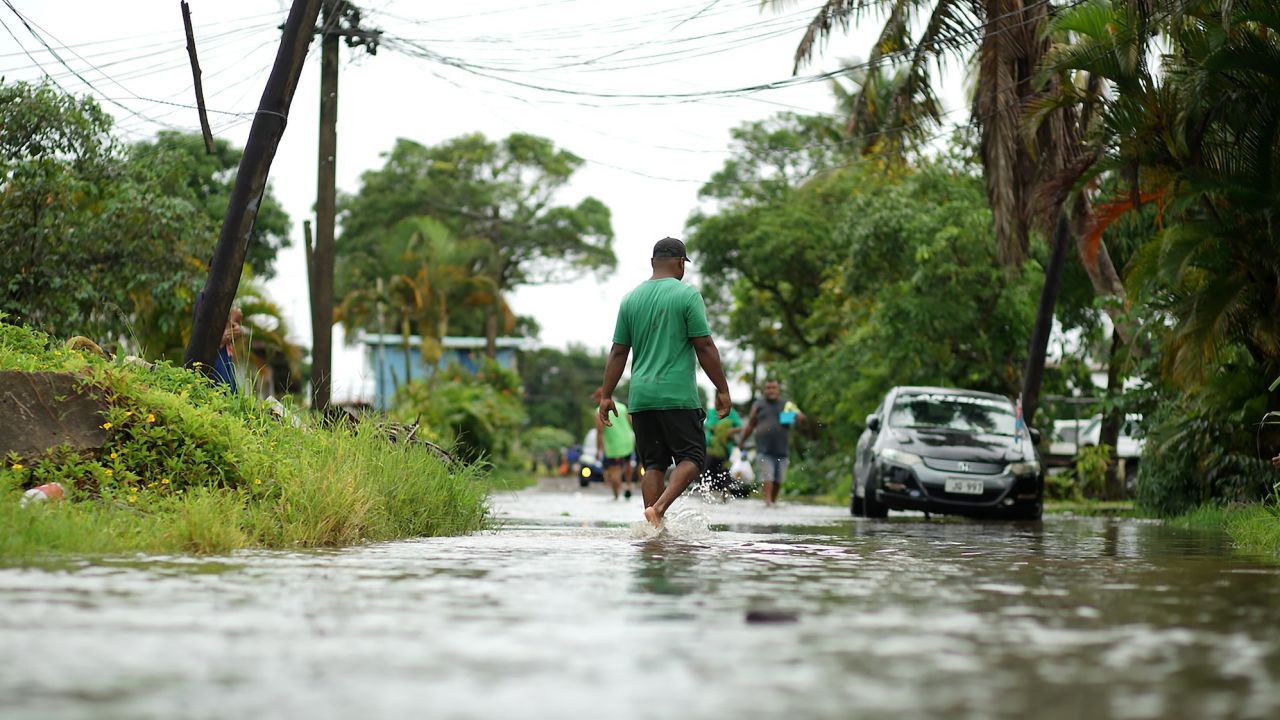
<point x="164" y="481"/>
<point x="151" y="418"/>
<point x="108" y="471"/>
<point x="113" y="456"/>
<point x="17" y="466"/>
<point x="106" y="426"/>
<point x="133" y="498"/>
<point x="257" y="482"/>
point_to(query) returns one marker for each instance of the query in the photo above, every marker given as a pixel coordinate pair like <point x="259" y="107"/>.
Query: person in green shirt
<point x="665" y="322"/>
<point x="614" y="445"/>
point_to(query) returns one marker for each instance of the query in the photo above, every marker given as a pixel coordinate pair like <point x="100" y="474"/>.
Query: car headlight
<point x="901" y="457"/>
<point x="1024" y="468"/>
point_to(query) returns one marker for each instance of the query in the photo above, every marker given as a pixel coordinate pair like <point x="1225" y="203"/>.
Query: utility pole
<point x="251" y="182"/>
<point x="341" y="20"/>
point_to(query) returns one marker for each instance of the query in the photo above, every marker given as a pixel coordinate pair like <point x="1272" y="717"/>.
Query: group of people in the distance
<point x="664" y="323"/>
<point x="770" y="420"/>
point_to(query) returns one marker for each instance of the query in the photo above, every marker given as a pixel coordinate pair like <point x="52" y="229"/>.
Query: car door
<point x="866" y="449"/>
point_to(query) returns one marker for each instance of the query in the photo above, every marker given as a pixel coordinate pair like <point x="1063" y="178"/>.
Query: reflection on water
<point x="736" y="611"/>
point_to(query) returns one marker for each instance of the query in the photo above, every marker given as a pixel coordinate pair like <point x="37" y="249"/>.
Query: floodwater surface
<point x="741" y="611"/>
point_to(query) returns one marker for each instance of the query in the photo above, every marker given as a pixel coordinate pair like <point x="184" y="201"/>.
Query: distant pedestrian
<point x="773" y="417"/>
<point x="614" y="445"/>
<point x="666" y="323"/>
<point x="224" y="362"/>
<point x="224" y="365"/>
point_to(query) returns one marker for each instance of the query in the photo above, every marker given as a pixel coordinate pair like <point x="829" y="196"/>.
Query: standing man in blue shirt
<point x="666" y="323"/>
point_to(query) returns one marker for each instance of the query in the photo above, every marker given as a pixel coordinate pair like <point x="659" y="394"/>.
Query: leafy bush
<point x="543" y="439"/>
<point x="825" y="476"/>
<point x="1091" y="468"/>
<point x="1062" y="486"/>
<point x="1207" y="444"/>
<point x="479" y="415"/>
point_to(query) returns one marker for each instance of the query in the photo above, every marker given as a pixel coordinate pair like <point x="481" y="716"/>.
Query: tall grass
<point x="1253" y="528"/>
<point x="188" y="468"/>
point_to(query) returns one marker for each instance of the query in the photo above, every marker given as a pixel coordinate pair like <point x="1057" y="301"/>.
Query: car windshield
<point x="953" y="412"/>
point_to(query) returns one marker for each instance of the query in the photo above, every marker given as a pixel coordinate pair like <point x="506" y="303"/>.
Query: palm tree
<point x="433" y="273"/>
<point x="1028" y="172"/>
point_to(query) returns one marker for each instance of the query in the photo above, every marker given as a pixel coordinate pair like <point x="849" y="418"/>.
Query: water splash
<point x="681" y="523"/>
<point x="721" y="486"/>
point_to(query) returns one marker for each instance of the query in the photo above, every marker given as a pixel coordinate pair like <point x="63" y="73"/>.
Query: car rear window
<point x="960" y="413"/>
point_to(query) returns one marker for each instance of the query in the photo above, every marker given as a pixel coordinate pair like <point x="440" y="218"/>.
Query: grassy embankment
<point x="1253" y="528"/>
<point x="189" y="468"/>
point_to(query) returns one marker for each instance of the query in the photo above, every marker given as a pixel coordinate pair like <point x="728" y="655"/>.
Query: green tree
<point x="1193" y="143"/>
<point x="917" y="298"/>
<point x="209" y="179"/>
<point x="856" y="274"/>
<point x="1029" y="168"/>
<point x="91" y="233"/>
<point x="558" y="385"/>
<point x="765" y="248"/>
<point x="499" y="193"/>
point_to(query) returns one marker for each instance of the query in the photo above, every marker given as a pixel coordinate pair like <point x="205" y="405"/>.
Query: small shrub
<point x="479" y="415"/>
<point x="1091" y="469"/>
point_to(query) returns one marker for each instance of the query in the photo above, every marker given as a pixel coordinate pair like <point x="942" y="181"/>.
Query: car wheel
<point x="871" y="507"/>
<point x="1032" y="513"/>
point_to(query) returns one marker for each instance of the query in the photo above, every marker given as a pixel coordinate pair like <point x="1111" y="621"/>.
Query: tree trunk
<point x="408" y="351"/>
<point x="491" y="327"/>
<point x="250" y="183"/>
<point x="1098" y="266"/>
<point x="1039" y="347"/>
<point x="1112" y="419"/>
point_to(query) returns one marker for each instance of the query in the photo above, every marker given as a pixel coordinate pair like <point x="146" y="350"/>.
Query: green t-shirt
<point x="657" y="320"/>
<point x="619" y="438"/>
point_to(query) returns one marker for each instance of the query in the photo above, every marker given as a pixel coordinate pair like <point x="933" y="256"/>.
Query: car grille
<point x="964" y="466"/>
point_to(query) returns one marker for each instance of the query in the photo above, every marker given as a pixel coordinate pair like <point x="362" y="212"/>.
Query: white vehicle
<point x="1069" y="437"/>
<point x="588" y="468"/>
<point x="1127" y="446"/>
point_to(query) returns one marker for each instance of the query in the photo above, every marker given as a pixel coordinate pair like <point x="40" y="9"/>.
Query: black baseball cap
<point x="670" y="247"/>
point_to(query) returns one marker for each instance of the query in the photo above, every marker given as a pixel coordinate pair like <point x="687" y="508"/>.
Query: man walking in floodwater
<point x="773" y="417"/>
<point x="666" y="323"/>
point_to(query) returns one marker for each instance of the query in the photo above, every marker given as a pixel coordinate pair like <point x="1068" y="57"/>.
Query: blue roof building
<point x="394" y="364"/>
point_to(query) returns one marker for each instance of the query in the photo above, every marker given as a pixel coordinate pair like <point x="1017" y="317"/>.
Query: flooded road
<point x="566" y="611"/>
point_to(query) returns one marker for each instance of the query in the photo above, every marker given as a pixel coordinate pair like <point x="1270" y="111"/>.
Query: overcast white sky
<point x="646" y="158"/>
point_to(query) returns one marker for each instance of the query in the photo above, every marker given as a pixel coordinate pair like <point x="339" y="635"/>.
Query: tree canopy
<point x="93" y="233"/>
<point x="209" y="179"/>
<point x="497" y="194"/>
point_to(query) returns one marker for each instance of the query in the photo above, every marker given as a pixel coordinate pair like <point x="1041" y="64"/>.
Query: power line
<point x="415" y="49"/>
<point x="74" y="72"/>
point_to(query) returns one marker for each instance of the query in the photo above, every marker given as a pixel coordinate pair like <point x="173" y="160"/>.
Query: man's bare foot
<point x="651" y="514"/>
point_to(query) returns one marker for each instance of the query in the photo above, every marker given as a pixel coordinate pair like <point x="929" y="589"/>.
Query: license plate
<point x="965" y="487"/>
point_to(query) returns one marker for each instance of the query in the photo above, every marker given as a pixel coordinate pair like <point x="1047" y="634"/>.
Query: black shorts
<point x="617" y="462"/>
<point x="666" y="435"/>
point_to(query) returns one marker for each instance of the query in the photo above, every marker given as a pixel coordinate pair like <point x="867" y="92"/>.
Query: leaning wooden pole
<point x="195" y="75"/>
<point x="251" y="182"/>
<point x="1038" y="348"/>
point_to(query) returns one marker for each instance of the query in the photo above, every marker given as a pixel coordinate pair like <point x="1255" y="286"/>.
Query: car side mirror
<point x="873" y="423"/>
<point x="1035" y="435"/>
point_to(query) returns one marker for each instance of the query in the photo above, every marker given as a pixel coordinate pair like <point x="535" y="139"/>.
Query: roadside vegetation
<point x="1253" y="528"/>
<point x="188" y="467"/>
<point x="854" y="254"/>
